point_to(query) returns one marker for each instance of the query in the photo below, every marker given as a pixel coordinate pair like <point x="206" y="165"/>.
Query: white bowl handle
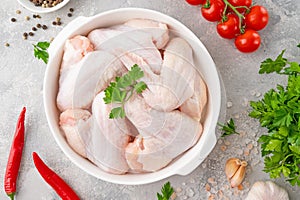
<point x="65" y="34"/>
<point x="202" y="154"/>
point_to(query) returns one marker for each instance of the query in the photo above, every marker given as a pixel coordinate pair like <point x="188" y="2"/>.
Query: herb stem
<point x="240" y="16"/>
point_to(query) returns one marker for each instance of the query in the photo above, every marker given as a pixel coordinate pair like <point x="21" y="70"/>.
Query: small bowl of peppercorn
<point x="43" y="6"/>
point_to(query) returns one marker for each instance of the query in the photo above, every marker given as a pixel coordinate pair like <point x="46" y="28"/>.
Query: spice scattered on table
<point x="15" y="156"/>
<point x="31" y="34"/>
<point x="69" y="14"/>
<point x="47" y="3"/>
<point x="44" y="27"/>
<point x="25" y="35"/>
<point x="6" y="44"/>
<point x="13" y="19"/>
<point x="57" y="21"/>
<point x="34" y="28"/>
<point x="27" y="18"/>
<point x="53" y="179"/>
<point x="18" y="12"/>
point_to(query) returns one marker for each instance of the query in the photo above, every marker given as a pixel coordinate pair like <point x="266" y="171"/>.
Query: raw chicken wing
<point x="75" y="122"/>
<point x="108" y="138"/>
<point x="79" y="85"/>
<point x="194" y="106"/>
<point x="163" y="135"/>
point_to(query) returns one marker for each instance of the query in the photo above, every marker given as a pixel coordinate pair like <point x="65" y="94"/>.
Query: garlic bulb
<point x="231" y="167"/>
<point x="235" y="170"/>
<point x="267" y="190"/>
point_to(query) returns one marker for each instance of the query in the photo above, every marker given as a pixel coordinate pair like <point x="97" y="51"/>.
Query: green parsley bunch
<point x="279" y="112"/>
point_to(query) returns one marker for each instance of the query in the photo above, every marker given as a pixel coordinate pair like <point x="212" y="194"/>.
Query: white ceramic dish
<point x="183" y="165"/>
<point x="38" y="9"/>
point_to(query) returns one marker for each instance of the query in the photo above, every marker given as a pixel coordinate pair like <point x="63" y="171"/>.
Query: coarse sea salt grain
<point x="229" y="104"/>
<point x="190" y="192"/>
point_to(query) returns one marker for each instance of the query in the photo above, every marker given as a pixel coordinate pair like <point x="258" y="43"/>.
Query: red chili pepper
<point x="55" y="181"/>
<point x="15" y="156"/>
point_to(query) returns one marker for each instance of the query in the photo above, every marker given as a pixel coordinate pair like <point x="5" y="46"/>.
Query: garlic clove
<point x="231" y="167"/>
<point x="238" y="177"/>
<point x="267" y="190"/>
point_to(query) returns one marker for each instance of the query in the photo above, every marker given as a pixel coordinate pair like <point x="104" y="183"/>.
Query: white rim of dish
<point x="119" y="179"/>
<point x="39" y="9"/>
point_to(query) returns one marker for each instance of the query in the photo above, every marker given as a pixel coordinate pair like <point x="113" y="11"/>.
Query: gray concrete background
<point x="21" y="83"/>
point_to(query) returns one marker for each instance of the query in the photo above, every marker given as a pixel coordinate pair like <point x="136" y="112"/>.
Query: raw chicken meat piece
<point x="143" y="37"/>
<point x="195" y="105"/>
<point x="175" y="84"/>
<point x="177" y="78"/>
<point x="74" y="50"/>
<point x="79" y="85"/>
<point x="98" y="138"/>
<point x="159" y="31"/>
<point x="135" y="41"/>
<point x="106" y="141"/>
<point x="163" y="135"/>
<point x="73" y="122"/>
<point x="99" y="36"/>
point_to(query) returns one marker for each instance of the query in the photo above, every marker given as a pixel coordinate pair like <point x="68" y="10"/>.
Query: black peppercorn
<point x="39" y="25"/>
<point x="31" y="34"/>
<point x="71" y="9"/>
<point x="34" y="29"/>
<point x="44" y="27"/>
<point x="69" y="14"/>
<point x="13" y="19"/>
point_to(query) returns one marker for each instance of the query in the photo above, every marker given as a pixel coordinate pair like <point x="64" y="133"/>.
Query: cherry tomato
<point x="229" y="28"/>
<point x="236" y="3"/>
<point x="248" y="41"/>
<point x="257" y="18"/>
<point x="195" y="2"/>
<point x="214" y="10"/>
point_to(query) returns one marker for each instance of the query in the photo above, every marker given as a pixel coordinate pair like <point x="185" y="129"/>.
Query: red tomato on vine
<point x="248" y="41"/>
<point x="230" y="27"/>
<point x="195" y="2"/>
<point x="213" y="10"/>
<point x="257" y="18"/>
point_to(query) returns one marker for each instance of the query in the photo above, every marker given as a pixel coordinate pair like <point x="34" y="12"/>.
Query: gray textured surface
<point x="21" y="82"/>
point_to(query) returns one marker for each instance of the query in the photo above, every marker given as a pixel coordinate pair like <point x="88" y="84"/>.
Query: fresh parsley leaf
<point x="269" y="65"/>
<point x="43" y="45"/>
<point x="117" y="112"/>
<point x="228" y="128"/>
<point x="166" y="192"/>
<point x="108" y="93"/>
<point x="135" y="72"/>
<point x="279" y="112"/>
<point x="120" y="90"/>
<point x="40" y="51"/>
<point x="140" y="87"/>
